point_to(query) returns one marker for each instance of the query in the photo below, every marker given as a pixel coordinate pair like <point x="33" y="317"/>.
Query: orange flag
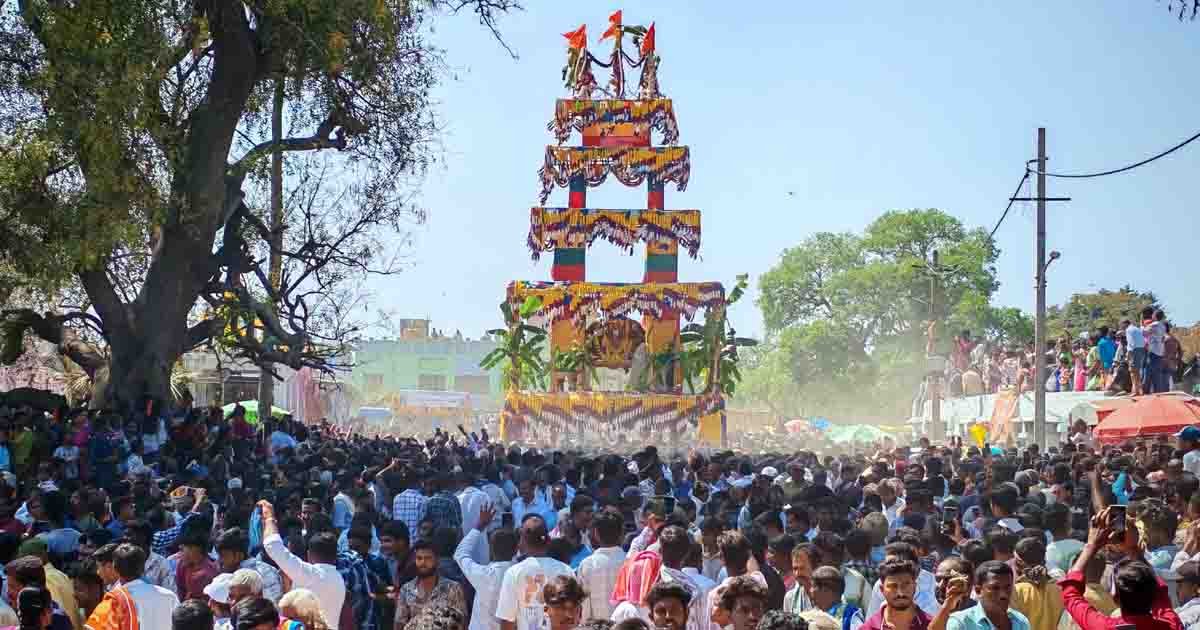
<point x="648" y="41"/>
<point x="614" y="26"/>
<point x="577" y="38"/>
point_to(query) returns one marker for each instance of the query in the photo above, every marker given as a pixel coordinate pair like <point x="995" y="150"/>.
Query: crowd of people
<point x="1132" y="358"/>
<point x="181" y="518"/>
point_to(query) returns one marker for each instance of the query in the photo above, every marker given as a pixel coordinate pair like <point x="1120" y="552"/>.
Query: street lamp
<point x="1054" y="255"/>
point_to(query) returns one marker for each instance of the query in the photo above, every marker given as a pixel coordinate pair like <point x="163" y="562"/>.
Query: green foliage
<point x="133" y="140"/>
<point x="519" y="353"/>
<point x="845" y="313"/>
<point x="1086" y="312"/>
<point x="574" y="360"/>
<point x="699" y="345"/>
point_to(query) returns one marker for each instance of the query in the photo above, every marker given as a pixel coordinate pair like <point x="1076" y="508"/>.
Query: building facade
<point x="432" y="363"/>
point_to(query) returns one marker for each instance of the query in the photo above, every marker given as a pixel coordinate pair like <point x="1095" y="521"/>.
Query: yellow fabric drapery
<point x="565" y="300"/>
<point x="630" y="165"/>
<point x="575" y="228"/>
<point x="578" y="114"/>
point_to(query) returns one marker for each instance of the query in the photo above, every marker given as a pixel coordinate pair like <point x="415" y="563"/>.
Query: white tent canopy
<point x="960" y="413"/>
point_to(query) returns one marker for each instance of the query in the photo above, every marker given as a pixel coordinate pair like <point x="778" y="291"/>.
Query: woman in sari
<point x="1095" y="367"/>
<point x="1064" y="365"/>
<point x="1079" y="358"/>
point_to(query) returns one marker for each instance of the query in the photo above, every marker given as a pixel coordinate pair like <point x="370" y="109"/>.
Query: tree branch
<point x="104" y="299"/>
<point x="329" y="135"/>
<point x="201" y="333"/>
<point x="49" y="328"/>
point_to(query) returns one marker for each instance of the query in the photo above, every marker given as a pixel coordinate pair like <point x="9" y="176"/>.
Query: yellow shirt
<point x="62" y="591"/>
<point x="1042" y="605"/>
<point x="1100" y="599"/>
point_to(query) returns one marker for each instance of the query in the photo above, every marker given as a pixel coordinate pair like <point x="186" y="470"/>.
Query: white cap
<point x="770" y="471"/>
<point x="234" y="484"/>
<point x="218" y="589"/>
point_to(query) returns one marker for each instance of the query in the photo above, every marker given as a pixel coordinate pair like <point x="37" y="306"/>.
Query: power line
<point x="1011" y="198"/>
<point x="1123" y="168"/>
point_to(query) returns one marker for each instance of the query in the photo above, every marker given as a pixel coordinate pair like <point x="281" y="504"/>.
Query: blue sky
<point x="857" y="109"/>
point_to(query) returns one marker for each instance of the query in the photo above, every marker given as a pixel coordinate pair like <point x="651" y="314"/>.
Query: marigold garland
<point x="607" y="413"/>
<point x="577" y="114"/>
<point x="552" y="228"/>
<point x="630" y="165"/>
<point x="568" y="300"/>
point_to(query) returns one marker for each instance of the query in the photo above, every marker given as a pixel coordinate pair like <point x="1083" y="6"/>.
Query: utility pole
<point x="1039" y="318"/>
<point x="266" y="381"/>
<point x="937" y="431"/>
<point x="1039" y="315"/>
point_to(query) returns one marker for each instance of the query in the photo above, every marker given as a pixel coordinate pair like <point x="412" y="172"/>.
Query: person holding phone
<point x="1145" y="603"/>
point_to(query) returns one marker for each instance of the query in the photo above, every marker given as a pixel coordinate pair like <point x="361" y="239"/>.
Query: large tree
<point x="845" y="313"/>
<point x="1086" y="312"/>
<point x="134" y="142"/>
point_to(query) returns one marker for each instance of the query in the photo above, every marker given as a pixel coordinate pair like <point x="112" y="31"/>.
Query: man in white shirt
<point x="472" y="500"/>
<point x="486" y="578"/>
<point x="1135" y="342"/>
<point x="151" y="605"/>
<point x="343" y="505"/>
<point x="926" y="596"/>
<point x="319" y="574"/>
<point x="892" y="503"/>
<point x="598" y="572"/>
<point x="1189" y="443"/>
<point x="520" y="605"/>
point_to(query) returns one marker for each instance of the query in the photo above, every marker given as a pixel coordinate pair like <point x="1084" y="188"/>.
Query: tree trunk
<point x="140" y="366"/>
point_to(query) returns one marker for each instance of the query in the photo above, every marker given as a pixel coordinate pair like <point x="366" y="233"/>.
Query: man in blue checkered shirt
<point x="443" y="508"/>
<point x="409" y="506"/>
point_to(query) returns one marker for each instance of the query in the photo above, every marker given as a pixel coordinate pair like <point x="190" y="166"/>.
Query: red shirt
<point x="190" y="580"/>
<point x="920" y="621"/>
<point x="241" y="429"/>
<point x="1162" y="616"/>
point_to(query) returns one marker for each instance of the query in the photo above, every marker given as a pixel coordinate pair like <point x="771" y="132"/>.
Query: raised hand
<point x="486" y="514"/>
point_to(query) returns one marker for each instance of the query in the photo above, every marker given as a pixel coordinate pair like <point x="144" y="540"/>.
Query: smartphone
<point x="949" y="515"/>
<point x="1116" y="516"/>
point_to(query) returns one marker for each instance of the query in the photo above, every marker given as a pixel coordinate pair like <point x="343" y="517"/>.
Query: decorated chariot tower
<point x="671" y="392"/>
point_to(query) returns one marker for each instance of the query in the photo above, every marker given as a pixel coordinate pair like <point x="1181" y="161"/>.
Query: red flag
<point x="614" y="26"/>
<point x="577" y="38"/>
<point x="648" y="41"/>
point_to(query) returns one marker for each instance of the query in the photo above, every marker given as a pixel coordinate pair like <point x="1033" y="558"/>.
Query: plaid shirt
<point x="409" y="506"/>
<point x="163" y="543"/>
<point x="598" y="574"/>
<point x="870" y="572"/>
<point x="361" y="585"/>
<point x="444" y="510"/>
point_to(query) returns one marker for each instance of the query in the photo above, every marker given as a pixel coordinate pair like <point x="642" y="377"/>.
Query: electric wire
<point x="1011" y="198"/>
<point x="1123" y="168"/>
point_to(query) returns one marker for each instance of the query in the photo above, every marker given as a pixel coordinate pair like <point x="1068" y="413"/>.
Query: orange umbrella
<point x="1149" y="415"/>
<point x="1095" y="411"/>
